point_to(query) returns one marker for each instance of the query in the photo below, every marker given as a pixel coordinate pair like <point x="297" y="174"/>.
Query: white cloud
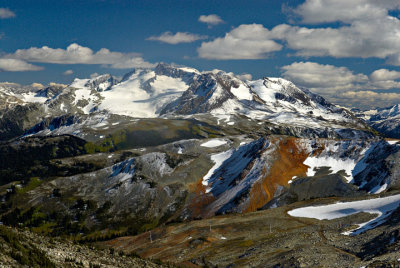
<point x="361" y="39"/>
<point x="177" y="38"/>
<point x="6" y="13"/>
<point x="68" y="72"/>
<point x="384" y="74"/>
<point x="250" y="41"/>
<point x="385" y="79"/>
<point x="37" y="85"/>
<point x="323" y="11"/>
<point x="366" y="99"/>
<point x="322" y="78"/>
<point x="368" y="31"/>
<point x="76" y="54"/>
<point x="244" y="76"/>
<point x="340" y="85"/>
<point x="16" y="65"/>
<point x="211" y="20"/>
<point x="57" y="84"/>
<point x="93" y="75"/>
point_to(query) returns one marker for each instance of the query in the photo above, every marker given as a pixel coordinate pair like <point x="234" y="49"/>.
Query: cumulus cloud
<point x="366" y="99"/>
<point x="385" y="79"/>
<point x="244" y="76"/>
<point x="360" y="39"/>
<point x="16" y="65"/>
<point x="250" y="41"/>
<point x="328" y="78"/>
<point x="211" y="20"/>
<point x="177" y="38"/>
<point x="368" y="31"/>
<point x="385" y="74"/>
<point x="68" y="72"/>
<point x="322" y="78"/>
<point x="6" y="13"/>
<point x="57" y="84"/>
<point x="76" y="54"/>
<point x="325" y="11"/>
<point x="37" y="85"/>
<point x="342" y="86"/>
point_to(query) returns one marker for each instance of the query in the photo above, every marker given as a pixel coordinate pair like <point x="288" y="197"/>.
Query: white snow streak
<point x="218" y="159"/>
<point x="213" y="143"/>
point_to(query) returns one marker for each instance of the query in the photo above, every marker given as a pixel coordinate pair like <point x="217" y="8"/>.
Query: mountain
<point x="107" y="157"/>
<point x="384" y="120"/>
<point x="174" y="92"/>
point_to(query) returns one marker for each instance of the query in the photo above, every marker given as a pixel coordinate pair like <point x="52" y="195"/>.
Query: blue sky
<point x="345" y="50"/>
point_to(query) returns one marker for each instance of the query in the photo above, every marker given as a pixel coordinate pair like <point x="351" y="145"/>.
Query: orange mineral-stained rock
<point x="200" y="200"/>
<point x="289" y="158"/>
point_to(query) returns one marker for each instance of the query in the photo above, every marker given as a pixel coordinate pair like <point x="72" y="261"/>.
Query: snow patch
<point x="218" y="159"/>
<point x="334" y="164"/>
<point x="383" y="207"/>
<point x="213" y="143"/>
<point x="378" y="189"/>
<point x="242" y="93"/>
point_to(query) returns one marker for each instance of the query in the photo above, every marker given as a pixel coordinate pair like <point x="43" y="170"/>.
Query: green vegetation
<point x="31" y="184"/>
<point x="111" y="143"/>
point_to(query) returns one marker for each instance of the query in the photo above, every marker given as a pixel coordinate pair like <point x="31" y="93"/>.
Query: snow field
<point x="381" y="207"/>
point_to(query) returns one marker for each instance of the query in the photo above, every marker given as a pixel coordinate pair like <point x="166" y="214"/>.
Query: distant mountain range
<point x="384" y="120"/>
<point x="170" y="92"/>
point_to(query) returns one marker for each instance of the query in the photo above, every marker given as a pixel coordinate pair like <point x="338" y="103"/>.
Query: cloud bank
<point x="250" y="41"/>
<point x="368" y="31"/>
<point x="16" y="65"/>
<point x="342" y="86"/>
<point x="75" y="54"/>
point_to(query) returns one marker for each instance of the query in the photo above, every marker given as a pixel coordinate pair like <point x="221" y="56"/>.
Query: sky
<point x="345" y="50"/>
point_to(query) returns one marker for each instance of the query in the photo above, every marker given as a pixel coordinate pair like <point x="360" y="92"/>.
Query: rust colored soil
<point x="288" y="163"/>
<point x="200" y="200"/>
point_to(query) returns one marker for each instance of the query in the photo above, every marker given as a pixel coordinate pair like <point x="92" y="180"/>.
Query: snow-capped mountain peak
<point x="171" y="91"/>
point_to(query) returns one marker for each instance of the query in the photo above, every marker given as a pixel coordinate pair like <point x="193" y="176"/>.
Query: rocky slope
<point x="270" y="238"/>
<point x="21" y="248"/>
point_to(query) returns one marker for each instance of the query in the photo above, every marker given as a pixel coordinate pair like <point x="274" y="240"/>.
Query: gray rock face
<point x="168" y="70"/>
<point x="382" y="166"/>
<point x="206" y="93"/>
<point x="102" y="82"/>
<point x="321" y="186"/>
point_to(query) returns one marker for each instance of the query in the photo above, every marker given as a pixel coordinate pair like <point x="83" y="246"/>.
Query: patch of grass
<point x="149" y="226"/>
<point x="246" y="243"/>
<point x="32" y="184"/>
<point x="45" y="228"/>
